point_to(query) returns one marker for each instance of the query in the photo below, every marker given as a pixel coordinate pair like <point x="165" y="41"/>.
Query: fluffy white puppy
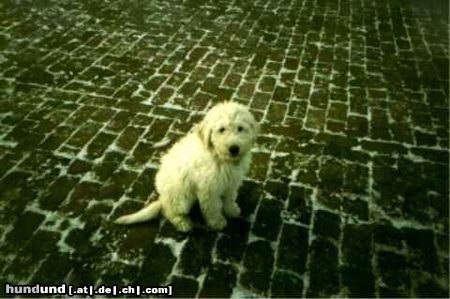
<point x="208" y="165"/>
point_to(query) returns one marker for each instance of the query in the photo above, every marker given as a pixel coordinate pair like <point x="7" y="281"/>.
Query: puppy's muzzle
<point x="234" y="150"/>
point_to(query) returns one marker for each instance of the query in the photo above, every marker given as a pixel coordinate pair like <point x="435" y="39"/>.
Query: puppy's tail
<point x="148" y="212"/>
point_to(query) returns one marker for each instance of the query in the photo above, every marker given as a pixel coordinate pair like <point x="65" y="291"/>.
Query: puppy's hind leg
<point x="178" y="214"/>
<point x="181" y="222"/>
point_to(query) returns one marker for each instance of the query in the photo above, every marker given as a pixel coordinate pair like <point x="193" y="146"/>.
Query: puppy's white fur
<point x="203" y="166"/>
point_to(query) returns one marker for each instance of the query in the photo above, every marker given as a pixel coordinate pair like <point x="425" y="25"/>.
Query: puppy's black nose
<point x="234" y="150"/>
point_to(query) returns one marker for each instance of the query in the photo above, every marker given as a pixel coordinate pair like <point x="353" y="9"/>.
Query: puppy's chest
<point x="228" y="175"/>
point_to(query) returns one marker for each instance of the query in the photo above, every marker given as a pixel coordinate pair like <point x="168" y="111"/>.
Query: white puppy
<point x="208" y="165"/>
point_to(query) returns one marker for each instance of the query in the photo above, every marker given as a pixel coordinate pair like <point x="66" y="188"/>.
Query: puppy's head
<point x="229" y="130"/>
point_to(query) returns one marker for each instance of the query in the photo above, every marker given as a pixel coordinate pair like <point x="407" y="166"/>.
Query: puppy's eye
<point x="222" y="129"/>
<point x="240" y="129"/>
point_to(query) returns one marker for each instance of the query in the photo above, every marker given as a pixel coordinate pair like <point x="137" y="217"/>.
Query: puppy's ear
<point x="204" y="132"/>
<point x="256" y="126"/>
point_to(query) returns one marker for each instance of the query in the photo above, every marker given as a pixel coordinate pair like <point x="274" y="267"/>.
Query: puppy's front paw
<point x="218" y="224"/>
<point x="232" y="211"/>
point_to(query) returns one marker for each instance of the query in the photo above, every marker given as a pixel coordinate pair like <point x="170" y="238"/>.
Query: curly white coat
<point x="208" y="165"/>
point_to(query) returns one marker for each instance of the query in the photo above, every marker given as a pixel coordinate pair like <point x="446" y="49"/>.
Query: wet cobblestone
<point x="348" y="193"/>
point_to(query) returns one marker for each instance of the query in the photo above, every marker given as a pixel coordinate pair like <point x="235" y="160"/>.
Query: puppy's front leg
<point x="230" y="207"/>
<point x="211" y="207"/>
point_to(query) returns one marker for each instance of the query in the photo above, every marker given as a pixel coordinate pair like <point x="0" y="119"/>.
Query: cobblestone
<point x="348" y="191"/>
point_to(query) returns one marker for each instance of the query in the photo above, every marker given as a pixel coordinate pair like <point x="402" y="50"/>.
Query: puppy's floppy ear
<point x="204" y="132"/>
<point x="256" y="126"/>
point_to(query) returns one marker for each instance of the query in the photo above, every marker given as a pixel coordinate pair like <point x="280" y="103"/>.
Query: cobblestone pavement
<point x="348" y="193"/>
